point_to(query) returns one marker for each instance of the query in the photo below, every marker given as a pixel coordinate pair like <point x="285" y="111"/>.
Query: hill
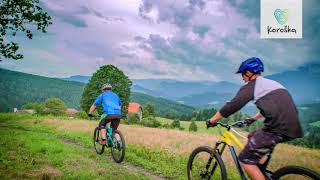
<point x="162" y="106"/>
<point x="19" y="88"/>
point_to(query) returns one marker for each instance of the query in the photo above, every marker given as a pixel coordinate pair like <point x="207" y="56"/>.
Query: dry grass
<point x="181" y="142"/>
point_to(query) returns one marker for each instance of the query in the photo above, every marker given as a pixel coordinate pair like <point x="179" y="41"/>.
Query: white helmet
<point x="106" y="86"/>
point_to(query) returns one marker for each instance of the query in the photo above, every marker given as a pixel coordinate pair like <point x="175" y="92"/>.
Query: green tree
<point x="175" y="123"/>
<point x="54" y="106"/>
<point x="148" y="110"/>
<point x="193" y="126"/>
<point x="19" y="16"/>
<point x="120" y="85"/>
<point x="34" y="106"/>
<point x="81" y="115"/>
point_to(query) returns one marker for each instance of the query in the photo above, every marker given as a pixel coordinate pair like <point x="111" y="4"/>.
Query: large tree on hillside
<point x="120" y="85"/>
<point x="19" y="16"/>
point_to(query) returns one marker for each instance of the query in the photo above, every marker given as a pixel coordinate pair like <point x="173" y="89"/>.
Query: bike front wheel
<point x="118" y="146"/>
<point x="96" y="138"/>
<point x="202" y="165"/>
<point x="295" y="172"/>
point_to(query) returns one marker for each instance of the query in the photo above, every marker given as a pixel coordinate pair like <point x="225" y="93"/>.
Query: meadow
<point x="45" y="147"/>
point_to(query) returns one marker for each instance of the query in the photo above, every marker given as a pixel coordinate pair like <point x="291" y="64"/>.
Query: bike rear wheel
<point x="202" y="165"/>
<point x="118" y="146"/>
<point x="295" y="172"/>
<point x="96" y="138"/>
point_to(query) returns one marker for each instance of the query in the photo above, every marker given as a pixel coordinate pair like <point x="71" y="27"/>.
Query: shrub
<point x="54" y="106"/>
<point x="193" y="126"/>
<point x="34" y="106"/>
<point x="175" y="124"/>
<point x="81" y="115"/>
<point x="150" y="122"/>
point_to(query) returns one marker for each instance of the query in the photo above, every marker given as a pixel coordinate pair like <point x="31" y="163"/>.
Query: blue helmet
<point x="253" y="65"/>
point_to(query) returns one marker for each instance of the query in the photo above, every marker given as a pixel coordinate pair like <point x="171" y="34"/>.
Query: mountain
<point x="78" y="78"/>
<point x="177" y="89"/>
<point x="207" y="99"/>
<point x="20" y="88"/>
<point x="302" y="83"/>
<point x="137" y="88"/>
<point x="162" y="106"/>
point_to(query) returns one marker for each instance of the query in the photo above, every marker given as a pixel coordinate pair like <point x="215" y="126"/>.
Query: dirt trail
<point x="129" y="167"/>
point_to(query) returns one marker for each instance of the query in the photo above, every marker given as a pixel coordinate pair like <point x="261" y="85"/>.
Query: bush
<point x="150" y="122"/>
<point x="81" y="115"/>
<point x="175" y="124"/>
<point x="34" y="106"/>
<point x="133" y="119"/>
<point x="54" y="106"/>
<point x="193" y="126"/>
<point x="167" y="126"/>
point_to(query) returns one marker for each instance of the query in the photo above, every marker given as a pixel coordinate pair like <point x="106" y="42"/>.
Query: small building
<point x="135" y="108"/>
<point x="24" y="111"/>
<point x="71" y="112"/>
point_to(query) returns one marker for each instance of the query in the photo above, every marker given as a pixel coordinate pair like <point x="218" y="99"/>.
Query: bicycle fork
<point x="215" y="150"/>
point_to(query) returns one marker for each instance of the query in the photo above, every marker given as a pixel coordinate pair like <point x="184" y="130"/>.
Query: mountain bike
<point x="114" y="140"/>
<point x="206" y="162"/>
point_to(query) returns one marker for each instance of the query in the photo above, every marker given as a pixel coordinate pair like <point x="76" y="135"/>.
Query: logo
<point x="281" y="19"/>
<point x="281" y="15"/>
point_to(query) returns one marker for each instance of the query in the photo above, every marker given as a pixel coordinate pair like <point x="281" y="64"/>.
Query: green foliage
<point x="54" y="106"/>
<point x="18" y="88"/>
<point x="81" y="115"/>
<point x="150" y="122"/>
<point x="120" y="85"/>
<point x="175" y="124"/>
<point x="34" y="106"/>
<point x="193" y="126"/>
<point x="131" y="119"/>
<point x="163" y="107"/>
<point x="148" y="110"/>
<point x="19" y="16"/>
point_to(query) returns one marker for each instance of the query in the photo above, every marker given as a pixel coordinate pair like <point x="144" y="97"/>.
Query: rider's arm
<point x="92" y="108"/>
<point x="95" y="104"/>
<point x="244" y="95"/>
<point x="257" y="116"/>
<point x="216" y="117"/>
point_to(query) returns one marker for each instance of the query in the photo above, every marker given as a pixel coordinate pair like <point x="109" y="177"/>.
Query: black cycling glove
<point x="248" y="121"/>
<point x="209" y="124"/>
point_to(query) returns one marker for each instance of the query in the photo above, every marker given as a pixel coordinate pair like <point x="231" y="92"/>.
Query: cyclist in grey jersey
<point x="275" y="105"/>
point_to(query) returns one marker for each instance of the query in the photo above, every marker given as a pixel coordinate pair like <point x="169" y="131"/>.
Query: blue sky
<point x="181" y="39"/>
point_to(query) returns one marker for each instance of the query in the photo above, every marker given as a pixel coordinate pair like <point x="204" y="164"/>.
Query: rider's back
<point x="274" y="103"/>
<point x="110" y="101"/>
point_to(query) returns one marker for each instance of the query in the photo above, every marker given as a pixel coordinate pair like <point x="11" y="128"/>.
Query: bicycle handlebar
<point x="238" y="124"/>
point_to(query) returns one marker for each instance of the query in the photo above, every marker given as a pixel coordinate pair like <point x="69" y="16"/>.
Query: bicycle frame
<point x="229" y="139"/>
<point x="109" y="130"/>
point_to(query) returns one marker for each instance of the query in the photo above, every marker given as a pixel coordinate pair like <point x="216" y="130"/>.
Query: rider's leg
<point x="260" y="142"/>
<point x="253" y="171"/>
<point x="114" y="124"/>
<point x="103" y="131"/>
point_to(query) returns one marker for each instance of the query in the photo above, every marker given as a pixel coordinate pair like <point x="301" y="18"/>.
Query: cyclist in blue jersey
<point x="111" y="104"/>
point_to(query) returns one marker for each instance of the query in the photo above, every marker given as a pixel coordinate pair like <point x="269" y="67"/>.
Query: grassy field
<point x="41" y="147"/>
<point x="201" y="125"/>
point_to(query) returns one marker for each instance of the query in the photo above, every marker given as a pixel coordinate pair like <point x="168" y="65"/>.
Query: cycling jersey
<point x="110" y="101"/>
<point x="274" y="103"/>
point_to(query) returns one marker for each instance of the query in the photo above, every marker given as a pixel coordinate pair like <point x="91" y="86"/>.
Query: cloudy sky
<point x="180" y="39"/>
